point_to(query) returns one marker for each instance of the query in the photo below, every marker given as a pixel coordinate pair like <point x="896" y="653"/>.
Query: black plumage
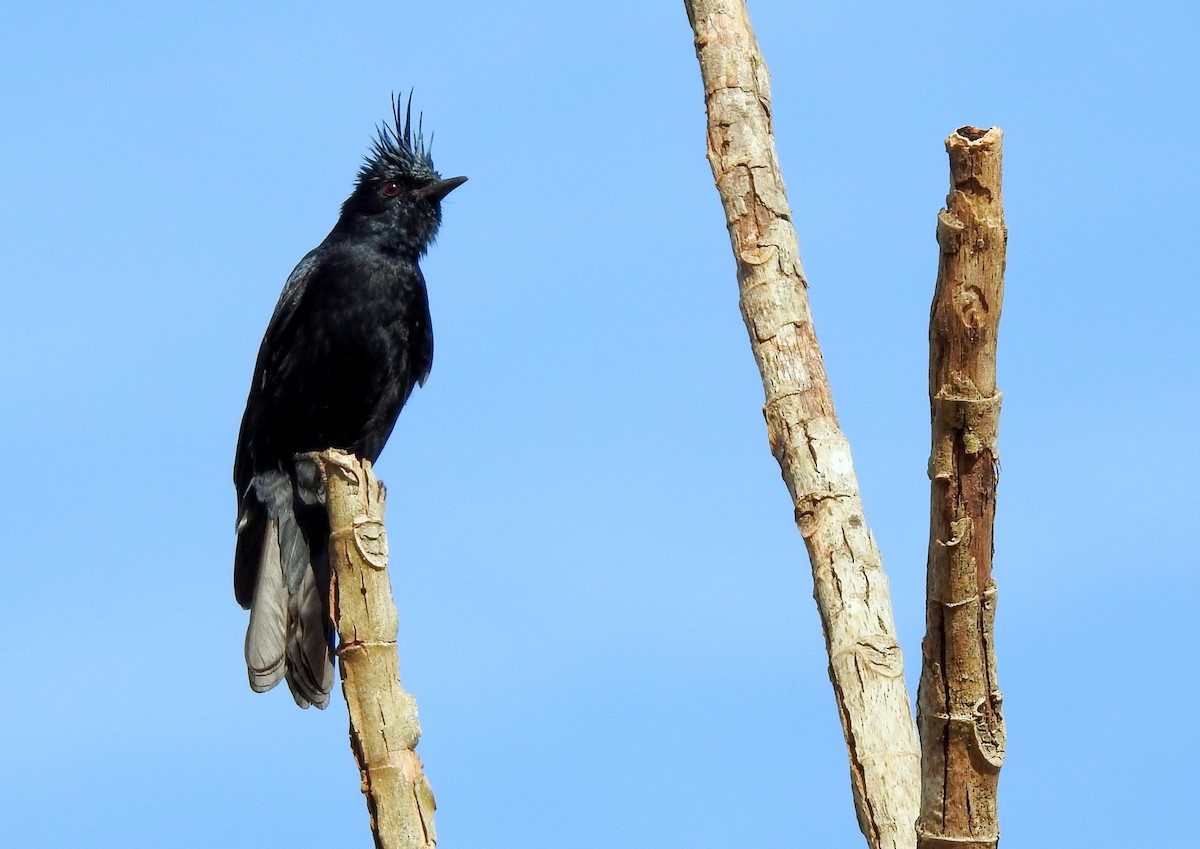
<point x="349" y="340"/>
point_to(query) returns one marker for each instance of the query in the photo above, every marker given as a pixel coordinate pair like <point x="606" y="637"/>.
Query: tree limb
<point x="959" y="716"/>
<point x="851" y="590"/>
<point x="383" y="717"/>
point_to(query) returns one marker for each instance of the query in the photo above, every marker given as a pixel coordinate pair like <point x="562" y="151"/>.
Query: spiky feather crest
<point x="397" y="152"/>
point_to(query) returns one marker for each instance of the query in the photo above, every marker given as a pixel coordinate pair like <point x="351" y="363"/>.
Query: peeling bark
<point x="959" y="700"/>
<point x="383" y="716"/>
<point x="851" y="590"/>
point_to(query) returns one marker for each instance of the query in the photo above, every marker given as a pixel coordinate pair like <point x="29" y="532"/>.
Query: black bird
<point x="350" y="338"/>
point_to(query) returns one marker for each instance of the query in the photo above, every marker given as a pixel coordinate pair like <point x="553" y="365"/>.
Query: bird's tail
<point x="290" y="632"/>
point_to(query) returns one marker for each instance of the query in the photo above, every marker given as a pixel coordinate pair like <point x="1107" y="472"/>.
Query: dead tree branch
<point x="959" y="717"/>
<point x="383" y="717"/>
<point x="851" y="590"/>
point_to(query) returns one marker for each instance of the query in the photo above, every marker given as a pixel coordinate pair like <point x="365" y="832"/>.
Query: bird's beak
<point x="439" y="189"/>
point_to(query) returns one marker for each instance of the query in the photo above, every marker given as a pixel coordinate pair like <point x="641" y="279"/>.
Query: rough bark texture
<point x="383" y="717"/>
<point x="851" y="590"/>
<point x="961" y="726"/>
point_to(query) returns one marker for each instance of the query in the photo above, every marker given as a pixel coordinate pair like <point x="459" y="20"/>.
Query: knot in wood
<point x="370" y="538"/>
<point x="989" y="737"/>
<point x="879" y="652"/>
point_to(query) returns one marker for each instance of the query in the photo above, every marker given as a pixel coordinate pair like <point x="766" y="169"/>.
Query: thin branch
<point x="959" y="717"/>
<point x="851" y="590"/>
<point x="383" y="717"/>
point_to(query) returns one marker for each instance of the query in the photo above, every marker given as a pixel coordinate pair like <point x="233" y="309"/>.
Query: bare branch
<point x="851" y="590"/>
<point x="959" y="717"/>
<point x="383" y="717"/>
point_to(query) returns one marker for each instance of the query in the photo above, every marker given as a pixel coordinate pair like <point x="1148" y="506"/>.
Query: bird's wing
<point x="252" y="514"/>
<point x="275" y="345"/>
<point x="423" y="350"/>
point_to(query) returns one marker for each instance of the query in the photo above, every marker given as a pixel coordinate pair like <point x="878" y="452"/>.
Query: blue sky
<point x="606" y="612"/>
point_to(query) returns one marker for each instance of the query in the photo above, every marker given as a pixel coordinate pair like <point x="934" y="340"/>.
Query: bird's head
<point x="398" y="195"/>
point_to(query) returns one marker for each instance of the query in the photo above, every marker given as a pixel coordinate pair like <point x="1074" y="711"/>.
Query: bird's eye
<point x="389" y="188"/>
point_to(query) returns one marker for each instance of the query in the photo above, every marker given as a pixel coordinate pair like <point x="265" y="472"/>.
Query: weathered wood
<point x="959" y="716"/>
<point x="851" y="590"/>
<point x="383" y="717"/>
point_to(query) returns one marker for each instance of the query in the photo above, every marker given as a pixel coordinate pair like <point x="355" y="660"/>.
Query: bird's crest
<point x="397" y="151"/>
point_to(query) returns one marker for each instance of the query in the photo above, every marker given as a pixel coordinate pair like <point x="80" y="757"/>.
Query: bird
<point x="349" y="340"/>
